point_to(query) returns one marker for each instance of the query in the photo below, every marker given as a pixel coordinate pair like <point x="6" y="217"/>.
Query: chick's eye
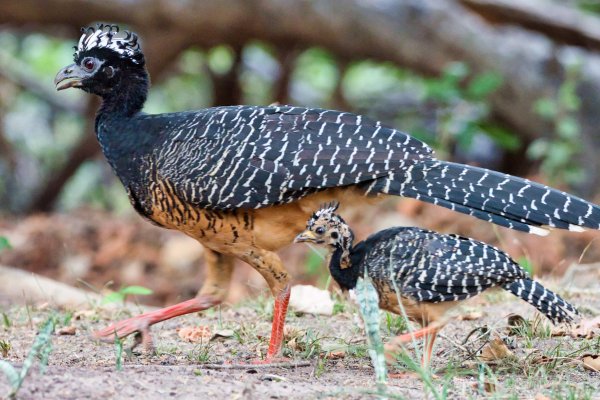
<point x="320" y="230"/>
<point x="88" y="64"/>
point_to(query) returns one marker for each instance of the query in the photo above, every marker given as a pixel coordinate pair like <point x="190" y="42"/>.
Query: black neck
<point x="127" y="98"/>
<point x="346" y="277"/>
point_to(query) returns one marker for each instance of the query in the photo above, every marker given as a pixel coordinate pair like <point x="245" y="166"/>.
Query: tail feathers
<point x="492" y="196"/>
<point x="547" y="302"/>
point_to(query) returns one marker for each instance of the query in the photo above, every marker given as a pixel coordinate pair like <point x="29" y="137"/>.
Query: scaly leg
<point x="428" y="350"/>
<point x="213" y="292"/>
<point x="394" y="345"/>
<point x="271" y="268"/>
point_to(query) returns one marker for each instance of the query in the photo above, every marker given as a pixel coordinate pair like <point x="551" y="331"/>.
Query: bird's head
<point x="103" y="59"/>
<point x="327" y="228"/>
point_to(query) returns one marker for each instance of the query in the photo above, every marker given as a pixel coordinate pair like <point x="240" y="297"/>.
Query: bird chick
<point x="423" y="274"/>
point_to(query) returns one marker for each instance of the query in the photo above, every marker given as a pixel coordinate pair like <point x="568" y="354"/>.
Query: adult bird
<point x="243" y="180"/>
<point x="424" y="274"/>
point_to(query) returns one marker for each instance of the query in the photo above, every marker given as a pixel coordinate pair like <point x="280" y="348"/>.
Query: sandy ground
<point x="80" y="368"/>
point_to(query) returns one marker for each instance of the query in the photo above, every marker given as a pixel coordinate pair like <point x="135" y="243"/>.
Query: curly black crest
<point x="106" y="36"/>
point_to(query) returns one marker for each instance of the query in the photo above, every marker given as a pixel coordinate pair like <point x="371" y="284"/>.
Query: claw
<point x="144" y="338"/>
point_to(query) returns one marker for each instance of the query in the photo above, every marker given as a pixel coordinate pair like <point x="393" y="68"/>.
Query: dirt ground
<point x="98" y="248"/>
<point x="334" y="347"/>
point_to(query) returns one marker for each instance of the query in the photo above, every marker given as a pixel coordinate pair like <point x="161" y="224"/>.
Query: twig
<point x="296" y="364"/>
<point x="454" y="343"/>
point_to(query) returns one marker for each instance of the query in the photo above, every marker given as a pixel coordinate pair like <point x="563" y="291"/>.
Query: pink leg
<point x="428" y="350"/>
<point x="142" y="323"/>
<point x="395" y="344"/>
<point x="279" y="312"/>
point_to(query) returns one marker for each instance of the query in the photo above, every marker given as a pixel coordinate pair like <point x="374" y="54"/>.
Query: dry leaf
<point x="470" y="316"/>
<point x="294" y="345"/>
<point x="540" y="396"/>
<point x="84" y="314"/>
<point x="67" y="330"/>
<point x="311" y="300"/>
<point x="290" y="332"/>
<point x="488" y="387"/>
<point x="516" y="323"/>
<point x="222" y="333"/>
<point x="195" y="334"/>
<point x="496" y="349"/>
<point x="336" y="355"/>
<point x="560" y="330"/>
<point x="591" y="362"/>
<point x="542" y="359"/>
<point x="586" y="328"/>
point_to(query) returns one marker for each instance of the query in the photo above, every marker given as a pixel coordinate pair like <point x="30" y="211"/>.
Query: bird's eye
<point x="88" y="64"/>
<point x="320" y="230"/>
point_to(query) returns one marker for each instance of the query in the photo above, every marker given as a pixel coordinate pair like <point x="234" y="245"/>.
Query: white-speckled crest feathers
<point x="107" y="36"/>
<point x="326" y="210"/>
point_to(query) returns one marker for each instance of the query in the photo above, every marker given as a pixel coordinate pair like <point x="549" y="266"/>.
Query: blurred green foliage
<point x="121" y="295"/>
<point x="4" y="243"/>
<point x="558" y="150"/>
<point x="591" y="6"/>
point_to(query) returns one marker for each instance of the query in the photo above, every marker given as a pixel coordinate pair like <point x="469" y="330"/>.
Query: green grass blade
<point x="368" y="302"/>
<point x="11" y="373"/>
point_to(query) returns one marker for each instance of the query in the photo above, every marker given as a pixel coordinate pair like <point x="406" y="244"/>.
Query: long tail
<point x="547" y="302"/>
<point x="503" y="199"/>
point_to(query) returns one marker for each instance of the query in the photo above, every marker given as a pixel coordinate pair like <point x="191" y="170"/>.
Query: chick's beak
<point x="306" y="236"/>
<point x="72" y="74"/>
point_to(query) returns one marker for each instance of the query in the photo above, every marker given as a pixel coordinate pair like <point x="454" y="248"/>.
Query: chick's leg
<point x="396" y="344"/>
<point x="213" y="292"/>
<point x="428" y="348"/>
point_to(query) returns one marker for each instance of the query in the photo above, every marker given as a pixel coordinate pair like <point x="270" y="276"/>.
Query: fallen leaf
<point x="591" y="362"/>
<point x="488" y="387"/>
<point x="294" y="345"/>
<point x="290" y="332"/>
<point x="516" y="323"/>
<point x="311" y="300"/>
<point x="222" y="333"/>
<point x="586" y="328"/>
<point x="560" y="330"/>
<point x="272" y="378"/>
<point x="67" y="330"/>
<point x="336" y="355"/>
<point x="84" y="314"/>
<point x="495" y="350"/>
<point x="540" y="396"/>
<point x="195" y="334"/>
<point x="471" y="315"/>
<point x="542" y="359"/>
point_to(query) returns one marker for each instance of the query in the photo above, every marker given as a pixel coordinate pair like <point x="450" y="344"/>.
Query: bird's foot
<point x="124" y="328"/>
<point x="271" y="360"/>
<point x="141" y="323"/>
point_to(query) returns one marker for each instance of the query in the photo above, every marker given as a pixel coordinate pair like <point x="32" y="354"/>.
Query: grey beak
<point x="72" y="74"/>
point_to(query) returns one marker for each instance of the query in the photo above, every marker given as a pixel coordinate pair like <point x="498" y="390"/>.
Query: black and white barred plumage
<point x="428" y="266"/>
<point x="249" y="157"/>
